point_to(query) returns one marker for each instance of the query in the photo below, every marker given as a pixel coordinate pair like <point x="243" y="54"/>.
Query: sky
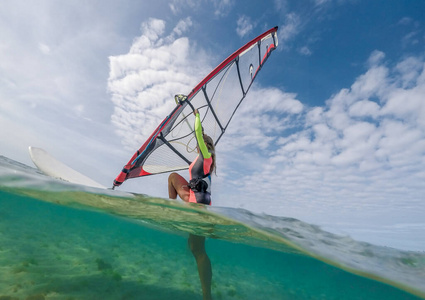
<point x="331" y="133"/>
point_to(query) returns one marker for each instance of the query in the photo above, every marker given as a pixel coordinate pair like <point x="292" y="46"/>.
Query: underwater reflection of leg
<point x="197" y="246"/>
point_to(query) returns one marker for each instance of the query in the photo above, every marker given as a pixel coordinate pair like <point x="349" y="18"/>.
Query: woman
<point x="198" y="190"/>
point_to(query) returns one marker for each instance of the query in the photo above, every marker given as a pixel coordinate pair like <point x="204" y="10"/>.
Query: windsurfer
<point x="198" y="190"/>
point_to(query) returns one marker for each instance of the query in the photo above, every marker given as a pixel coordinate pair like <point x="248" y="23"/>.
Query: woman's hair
<point x="210" y="145"/>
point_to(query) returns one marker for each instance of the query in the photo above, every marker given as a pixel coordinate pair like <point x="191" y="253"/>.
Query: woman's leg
<point x="177" y="185"/>
<point x="197" y="246"/>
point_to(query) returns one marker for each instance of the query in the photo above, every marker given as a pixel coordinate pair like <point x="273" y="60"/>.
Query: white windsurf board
<point x="54" y="168"/>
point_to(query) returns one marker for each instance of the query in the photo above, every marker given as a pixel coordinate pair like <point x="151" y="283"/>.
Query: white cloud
<point x="152" y="29"/>
<point x="280" y="5"/>
<point x="144" y="81"/>
<point x="405" y="21"/>
<point x="376" y="58"/>
<point x="44" y="48"/>
<point x="259" y="119"/>
<point x="409" y="70"/>
<point x="373" y="82"/>
<point x="364" y="108"/>
<point x="220" y="8"/>
<point x="244" y="26"/>
<point x="305" y="51"/>
<point x="365" y="147"/>
<point x="182" y="26"/>
<point x="53" y="61"/>
<point x="223" y="7"/>
<point x="182" y="6"/>
<point x="290" y="28"/>
<point x="321" y="2"/>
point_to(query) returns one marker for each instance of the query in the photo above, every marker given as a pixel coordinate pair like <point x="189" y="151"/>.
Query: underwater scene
<point x="65" y="241"/>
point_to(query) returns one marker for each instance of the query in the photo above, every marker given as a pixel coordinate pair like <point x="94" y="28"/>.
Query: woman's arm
<point x="199" y="136"/>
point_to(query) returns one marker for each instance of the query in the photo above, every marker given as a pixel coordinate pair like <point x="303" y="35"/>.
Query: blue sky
<point x="332" y="132"/>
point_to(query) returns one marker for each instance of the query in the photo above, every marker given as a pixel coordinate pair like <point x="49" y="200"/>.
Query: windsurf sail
<point x="172" y="146"/>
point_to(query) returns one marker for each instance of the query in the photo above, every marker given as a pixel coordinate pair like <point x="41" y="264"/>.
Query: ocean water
<point x="63" y="241"/>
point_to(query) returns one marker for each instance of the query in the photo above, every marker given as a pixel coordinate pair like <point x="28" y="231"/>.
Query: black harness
<point x="199" y="184"/>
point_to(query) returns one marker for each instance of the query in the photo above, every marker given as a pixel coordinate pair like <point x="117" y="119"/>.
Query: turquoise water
<point x="59" y="241"/>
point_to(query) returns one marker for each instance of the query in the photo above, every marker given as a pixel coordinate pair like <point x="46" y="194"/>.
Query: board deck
<point x="54" y="168"/>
